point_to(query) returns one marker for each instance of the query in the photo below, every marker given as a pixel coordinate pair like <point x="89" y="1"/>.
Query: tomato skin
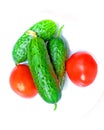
<point x="81" y="68"/>
<point x="21" y="81"/>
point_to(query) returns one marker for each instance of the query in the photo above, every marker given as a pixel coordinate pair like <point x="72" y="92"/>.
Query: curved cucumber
<point x="42" y="71"/>
<point x="19" y="52"/>
<point x="58" y="53"/>
<point x="45" y="29"/>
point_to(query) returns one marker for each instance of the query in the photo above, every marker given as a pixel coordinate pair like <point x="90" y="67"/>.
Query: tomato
<point x="21" y="81"/>
<point x="81" y="68"/>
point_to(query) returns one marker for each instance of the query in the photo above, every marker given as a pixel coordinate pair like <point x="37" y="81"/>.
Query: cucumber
<point x="19" y="52"/>
<point x="58" y="54"/>
<point x="42" y="71"/>
<point x="45" y="29"/>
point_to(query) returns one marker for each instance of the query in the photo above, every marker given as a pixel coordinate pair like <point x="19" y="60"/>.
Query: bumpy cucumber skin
<point x="19" y="52"/>
<point x="58" y="53"/>
<point x="42" y="71"/>
<point x="45" y="29"/>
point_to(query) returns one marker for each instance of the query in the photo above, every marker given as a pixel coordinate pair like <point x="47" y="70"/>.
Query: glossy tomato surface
<point x="81" y="68"/>
<point x="21" y="81"/>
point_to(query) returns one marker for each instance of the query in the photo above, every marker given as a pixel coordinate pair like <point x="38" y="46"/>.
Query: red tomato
<point x="21" y="81"/>
<point x="81" y="68"/>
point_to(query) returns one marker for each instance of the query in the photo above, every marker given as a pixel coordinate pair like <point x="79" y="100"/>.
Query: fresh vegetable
<point x="42" y="71"/>
<point x="46" y="53"/>
<point x="81" y="68"/>
<point x="21" y="81"/>
<point x="19" y="52"/>
<point x="58" y="53"/>
<point x="45" y="29"/>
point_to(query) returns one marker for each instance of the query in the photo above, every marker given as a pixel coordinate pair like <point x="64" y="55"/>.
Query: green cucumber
<point x="19" y="52"/>
<point x="45" y="29"/>
<point x="58" y="54"/>
<point x="42" y="71"/>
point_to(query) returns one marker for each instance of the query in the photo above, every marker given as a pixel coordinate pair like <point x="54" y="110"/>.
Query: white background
<point x="79" y="108"/>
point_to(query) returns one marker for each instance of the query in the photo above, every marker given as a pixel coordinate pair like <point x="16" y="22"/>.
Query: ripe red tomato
<point x="21" y="81"/>
<point x="81" y="68"/>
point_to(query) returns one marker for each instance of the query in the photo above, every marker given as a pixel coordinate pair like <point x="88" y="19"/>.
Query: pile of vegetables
<point x="41" y="61"/>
